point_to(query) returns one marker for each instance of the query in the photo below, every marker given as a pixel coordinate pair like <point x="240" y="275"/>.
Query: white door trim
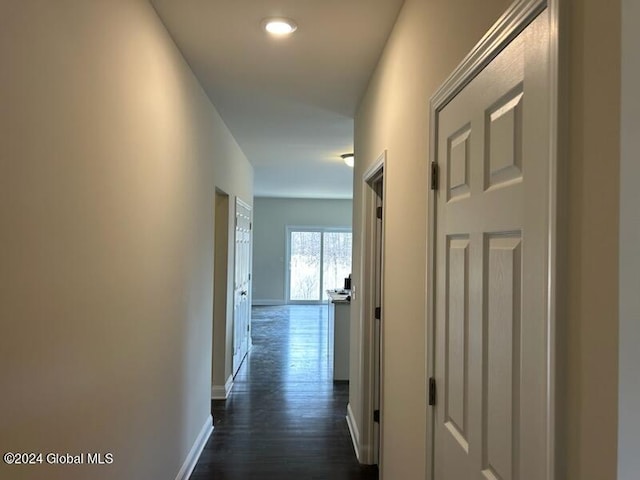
<point x="508" y="26"/>
<point x="367" y="359"/>
<point x="374" y="170"/>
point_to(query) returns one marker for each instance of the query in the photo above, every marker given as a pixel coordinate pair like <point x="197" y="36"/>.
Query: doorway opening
<point x="372" y="278"/>
<point x="222" y="376"/>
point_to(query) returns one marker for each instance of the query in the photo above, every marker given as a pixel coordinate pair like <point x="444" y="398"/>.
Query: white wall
<point x="271" y="216"/>
<point x="629" y="401"/>
<point x="428" y="41"/>
<point x="109" y="153"/>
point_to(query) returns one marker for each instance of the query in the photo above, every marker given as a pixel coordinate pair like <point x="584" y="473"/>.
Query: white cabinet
<point x="339" y="327"/>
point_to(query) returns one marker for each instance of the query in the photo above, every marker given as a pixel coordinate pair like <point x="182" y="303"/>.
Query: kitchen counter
<point x="340" y="296"/>
<point x="339" y="332"/>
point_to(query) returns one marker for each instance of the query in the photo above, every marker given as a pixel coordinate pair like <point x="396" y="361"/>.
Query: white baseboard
<point x="353" y="430"/>
<point x="267" y="302"/>
<point x="194" y="454"/>
<point x="221" y="392"/>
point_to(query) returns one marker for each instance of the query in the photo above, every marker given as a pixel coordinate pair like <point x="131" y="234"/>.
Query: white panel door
<point x="491" y="270"/>
<point x="242" y="285"/>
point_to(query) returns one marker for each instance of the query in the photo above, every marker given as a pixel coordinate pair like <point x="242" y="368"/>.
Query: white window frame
<point x="287" y="264"/>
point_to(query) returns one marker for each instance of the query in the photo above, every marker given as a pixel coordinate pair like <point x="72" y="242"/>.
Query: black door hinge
<point x="376" y="416"/>
<point x="377" y="313"/>
<point x="379" y="212"/>
<point x="432" y="391"/>
<point x="435" y="176"/>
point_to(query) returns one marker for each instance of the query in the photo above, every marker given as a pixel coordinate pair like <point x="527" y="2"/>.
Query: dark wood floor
<point x="285" y="419"/>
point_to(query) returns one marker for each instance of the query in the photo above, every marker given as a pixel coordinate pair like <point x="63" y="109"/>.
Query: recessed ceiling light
<point x="279" y="27"/>
<point x="348" y="159"/>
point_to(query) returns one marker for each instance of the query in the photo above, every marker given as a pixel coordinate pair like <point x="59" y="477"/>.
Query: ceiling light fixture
<point x="279" y="27"/>
<point x="348" y="159"/>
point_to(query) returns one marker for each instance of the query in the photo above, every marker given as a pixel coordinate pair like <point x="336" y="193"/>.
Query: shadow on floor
<point x="285" y="418"/>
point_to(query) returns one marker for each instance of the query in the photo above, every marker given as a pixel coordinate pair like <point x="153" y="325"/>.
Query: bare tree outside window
<point x="318" y="259"/>
<point x="336" y="260"/>
<point x="305" y="265"/>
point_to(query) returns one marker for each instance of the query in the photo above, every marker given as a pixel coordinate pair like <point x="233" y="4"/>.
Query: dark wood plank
<point x="285" y="419"/>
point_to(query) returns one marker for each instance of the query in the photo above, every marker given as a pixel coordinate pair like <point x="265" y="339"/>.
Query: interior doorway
<point x="377" y="186"/>
<point x="373" y="313"/>
<point x="222" y="375"/>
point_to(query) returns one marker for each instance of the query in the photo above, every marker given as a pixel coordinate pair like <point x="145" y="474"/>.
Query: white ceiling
<point x="288" y="102"/>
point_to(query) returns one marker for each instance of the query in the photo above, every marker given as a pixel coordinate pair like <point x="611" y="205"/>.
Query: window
<point x="319" y="260"/>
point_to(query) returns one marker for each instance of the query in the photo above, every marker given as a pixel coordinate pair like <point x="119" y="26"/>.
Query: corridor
<point x="285" y="418"/>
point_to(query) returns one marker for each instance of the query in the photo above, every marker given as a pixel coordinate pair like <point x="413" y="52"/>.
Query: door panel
<point x="490" y="273"/>
<point x="502" y="358"/>
<point x="242" y="285"/>
<point x="457" y="341"/>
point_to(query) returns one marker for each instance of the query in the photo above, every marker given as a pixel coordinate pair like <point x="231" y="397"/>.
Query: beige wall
<point x="430" y="38"/>
<point x="592" y="249"/>
<point x="109" y="152"/>
<point x="223" y="293"/>
<point x="428" y="41"/>
<point x="629" y="401"/>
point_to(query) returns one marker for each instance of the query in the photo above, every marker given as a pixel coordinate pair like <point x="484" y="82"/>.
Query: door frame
<point x="515" y="19"/>
<point x="222" y="346"/>
<point x="367" y="453"/>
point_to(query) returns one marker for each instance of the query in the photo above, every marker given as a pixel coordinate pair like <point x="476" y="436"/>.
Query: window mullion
<point x="321" y="263"/>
